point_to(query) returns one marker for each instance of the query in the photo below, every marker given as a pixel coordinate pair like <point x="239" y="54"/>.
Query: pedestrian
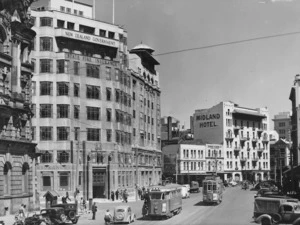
<point x="67" y="197"/>
<point x="140" y="193"/>
<point x="21" y="212"/>
<point x="63" y="200"/>
<point x="112" y="195"/>
<point x="107" y="217"/>
<point x="24" y="211"/>
<point x="117" y="194"/>
<point x="126" y="195"/>
<point x="121" y="195"/>
<point x="94" y="210"/>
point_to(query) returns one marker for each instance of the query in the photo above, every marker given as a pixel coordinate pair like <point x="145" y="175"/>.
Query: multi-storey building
<point x="243" y="132"/>
<point x="83" y="104"/>
<point x="192" y="160"/>
<point x="170" y="128"/>
<point x="146" y="115"/>
<point x="283" y="125"/>
<point x="17" y="152"/>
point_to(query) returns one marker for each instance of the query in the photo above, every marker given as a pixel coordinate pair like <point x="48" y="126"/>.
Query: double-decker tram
<point x="165" y="201"/>
<point x="212" y="189"/>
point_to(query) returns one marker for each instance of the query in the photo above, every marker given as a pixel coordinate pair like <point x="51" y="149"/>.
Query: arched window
<point x="7" y="182"/>
<point x="25" y="178"/>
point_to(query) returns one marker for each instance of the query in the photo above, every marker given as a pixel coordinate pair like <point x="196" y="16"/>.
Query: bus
<point x="165" y="201"/>
<point x="212" y="189"/>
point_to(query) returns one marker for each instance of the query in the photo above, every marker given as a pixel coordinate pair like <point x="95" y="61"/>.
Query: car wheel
<point x="266" y="221"/>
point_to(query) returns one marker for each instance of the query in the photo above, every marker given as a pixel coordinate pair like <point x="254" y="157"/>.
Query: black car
<point x="70" y="210"/>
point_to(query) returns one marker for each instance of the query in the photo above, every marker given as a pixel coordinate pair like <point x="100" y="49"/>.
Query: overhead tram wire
<point x="227" y="43"/>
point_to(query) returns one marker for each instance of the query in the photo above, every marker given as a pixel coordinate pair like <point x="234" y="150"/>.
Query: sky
<point x="253" y="74"/>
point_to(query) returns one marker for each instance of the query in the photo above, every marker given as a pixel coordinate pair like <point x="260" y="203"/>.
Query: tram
<point x="212" y="189"/>
<point x="165" y="201"/>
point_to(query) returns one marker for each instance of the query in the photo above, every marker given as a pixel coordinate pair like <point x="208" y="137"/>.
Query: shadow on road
<point x="203" y="204"/>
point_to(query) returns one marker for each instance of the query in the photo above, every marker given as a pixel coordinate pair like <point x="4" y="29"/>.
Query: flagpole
<point x="113" y="12"/>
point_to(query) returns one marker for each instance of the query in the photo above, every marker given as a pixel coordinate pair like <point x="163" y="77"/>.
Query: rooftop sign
<point x="86" y="37"/>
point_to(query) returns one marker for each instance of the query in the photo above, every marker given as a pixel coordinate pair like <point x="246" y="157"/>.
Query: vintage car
<point x="194" y="186"/>
<point x="123" y="214"/>
<point x="70" y="211"/>
<point x="51" y="216"/>
<point x="272" y="210"/>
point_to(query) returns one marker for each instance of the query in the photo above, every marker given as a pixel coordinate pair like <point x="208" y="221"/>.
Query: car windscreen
<point x="120" y="210"/>
<point x="155" y="196"/>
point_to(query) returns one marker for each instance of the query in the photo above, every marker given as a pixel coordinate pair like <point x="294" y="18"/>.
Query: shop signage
<point x="83" y="58"/>
<point x="209" y="120"/>
<point x="87" y="37"/>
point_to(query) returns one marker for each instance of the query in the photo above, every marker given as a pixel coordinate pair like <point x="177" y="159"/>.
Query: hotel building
<point x="146" y="128"/>
<point x="82" y="101"/>
<point x="283" y="125"/>
<point x="244" y="135"/>
<point x="17" y="151"/>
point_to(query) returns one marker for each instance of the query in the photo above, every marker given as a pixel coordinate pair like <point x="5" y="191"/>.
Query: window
<point x="46" y="22"/>
<point x="62" y="8"/>
<point x="46" y="44"/>
<point x="62" y="66"/>
<point x="45" y="133"/>
<point x="33" y="109"/>
<point x="108" y="94"/>
<point x="93" y="113"/>
<point x="152" y="121"/>
<point x="62" y="88"/>
<point x="46" y="183"/>
<point x="33" y="133"/>
<point x="102" y="33"/>
<point x="76" y="68"/>
<point x="64" y="180"/>
<point x="76" y="90"/>
<point x="86" y="29"/>
<point x="63" y="133"/>
<point x="108" y="115"/>
<point x="60" y="23"/>
<point x="68" y="10"/>
<point x="75" y="11"/>
<point x="108" y="73"/>
<point x="282" y="124"/>
<point x="133" y="96"/>
<point x="92" y="71"/>
<point x="46" y="157"/>
<point x="76" y="111"/>
<point x="93" y="134"/>
<point x="70" y="26"/>
<point x="117" y="95"/>
<point x="63" y="111"/>
<point x="134" y="131"/>
<point x="80" y="13"/>
<point x="117" y="76"/>
<point x="46" y="65"/>
<point x="45" y="111"/>
<point x="108" y="135"/>
<point x="111" y="35"/>
<point x="45" y="88"/>
<point x="133" y="113"/>
<point x="76" y="133"/>
<point x="92" y="92"/>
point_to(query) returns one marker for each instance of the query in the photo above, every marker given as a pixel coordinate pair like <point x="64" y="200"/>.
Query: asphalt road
<point x="236" y="209"/>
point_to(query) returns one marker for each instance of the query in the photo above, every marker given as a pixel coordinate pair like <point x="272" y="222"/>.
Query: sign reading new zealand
<point x="209" y="120"/>
<point x="86" y="37"/>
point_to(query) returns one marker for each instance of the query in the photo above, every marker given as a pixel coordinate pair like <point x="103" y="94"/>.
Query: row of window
<point x="229" y="165"/>
<point x="92" y="92"/>
<point x="63" y="134"/>
<point x="229" y="155"/>
<point x="143" y="135"/>
<point x="193" y="153"/>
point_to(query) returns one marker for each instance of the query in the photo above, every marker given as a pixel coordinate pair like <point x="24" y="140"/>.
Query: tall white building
<point x="83" y="103"/>
<point x="244" y="134"/>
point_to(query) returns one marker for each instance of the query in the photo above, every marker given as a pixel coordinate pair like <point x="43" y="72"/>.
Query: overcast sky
<point x="252" y="74"/>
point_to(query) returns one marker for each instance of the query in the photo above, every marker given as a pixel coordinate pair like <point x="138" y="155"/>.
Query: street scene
<point x="149" y="112"/>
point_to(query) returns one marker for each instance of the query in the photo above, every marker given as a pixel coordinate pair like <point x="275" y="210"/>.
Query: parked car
<point x="70" y="210"/>
<point x="123" y="214"/>
<point x="276" y="210"/>
<point x="194" y="186"/>
<point x="51" y="216"/>
<point x="185" y="192"/>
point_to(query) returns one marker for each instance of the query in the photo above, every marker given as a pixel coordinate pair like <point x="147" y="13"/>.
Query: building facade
<point x="283" y="125"/>
<point x="82" y="102"/>
<point x="146" y="129"/>
<point x="244" y="135"/>
<point x="17" y="151"/>
<point x="192" y="160"/>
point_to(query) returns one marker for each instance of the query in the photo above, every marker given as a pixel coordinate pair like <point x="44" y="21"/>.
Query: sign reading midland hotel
<point x="85" y="37"/>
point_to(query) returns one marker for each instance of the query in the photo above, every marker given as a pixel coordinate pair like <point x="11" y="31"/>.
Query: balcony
<point x="260" y="150"/>
<point x="255" y="159"/>
<point x="243" y="139"/>
<point x="265" y="141"/>
<point x="243" y="159"/>
<point x="236" y="127"/>
<point x="236" y="168"/>
<point x="237" y="149"/>
<point x="254" y="140"/>
<point x="259" y="132"/>
<point x="229" y="137"/>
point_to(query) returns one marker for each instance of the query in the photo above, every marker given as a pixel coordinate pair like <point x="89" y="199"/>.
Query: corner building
<point x="82" y="98"/>
<point x="17" y="151"/>
<point x="146" y="128"/>
<point x="243" y="132"/>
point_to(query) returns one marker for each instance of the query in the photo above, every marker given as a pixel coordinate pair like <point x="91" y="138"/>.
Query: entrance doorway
<point x="99" y="178"/>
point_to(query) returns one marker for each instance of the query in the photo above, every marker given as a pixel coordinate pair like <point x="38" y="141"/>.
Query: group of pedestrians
<point x="122" y="195"/>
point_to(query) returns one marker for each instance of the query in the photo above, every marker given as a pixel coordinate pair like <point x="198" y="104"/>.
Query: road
<point x="236" y="209"/>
